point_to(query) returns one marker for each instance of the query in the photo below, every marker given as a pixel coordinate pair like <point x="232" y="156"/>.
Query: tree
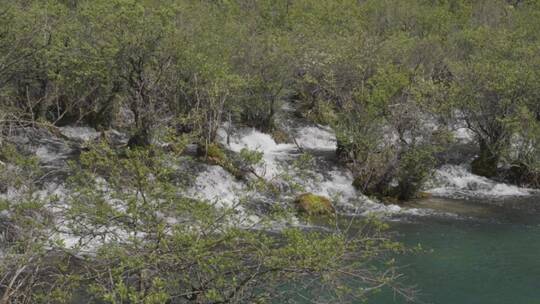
<point x="489" y="89"/>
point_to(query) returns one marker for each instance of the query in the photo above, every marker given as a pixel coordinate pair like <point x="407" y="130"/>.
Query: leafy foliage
<point x="139" y="240"/>
<point x="393" y="78"/>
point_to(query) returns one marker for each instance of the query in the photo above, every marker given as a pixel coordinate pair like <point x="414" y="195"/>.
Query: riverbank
<point x="457" y="224"/>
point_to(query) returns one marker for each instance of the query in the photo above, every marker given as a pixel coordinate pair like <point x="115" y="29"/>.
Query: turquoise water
<point x="489" y="259"/>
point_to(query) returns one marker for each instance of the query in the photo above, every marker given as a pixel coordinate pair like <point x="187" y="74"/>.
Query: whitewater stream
<point x="481" y="237"/>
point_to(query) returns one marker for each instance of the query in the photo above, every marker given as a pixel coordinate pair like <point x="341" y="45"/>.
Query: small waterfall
<point x="325" y="177"/>
<point x="274" y="154"/>
<point x="317" y="137"/>
<point x="456" y="181"/>
<point x="214" y="184"/>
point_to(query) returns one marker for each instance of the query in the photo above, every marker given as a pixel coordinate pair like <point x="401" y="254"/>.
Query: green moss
<point x="314" y="204"/>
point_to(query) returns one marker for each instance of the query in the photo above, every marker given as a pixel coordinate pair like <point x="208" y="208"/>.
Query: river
<point x="489" y="255"/>
<point x="481" y="238"/>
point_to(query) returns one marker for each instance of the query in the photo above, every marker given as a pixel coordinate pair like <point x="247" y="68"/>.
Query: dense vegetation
<point x="126" y="233"/>
<point x="393" y="78"/>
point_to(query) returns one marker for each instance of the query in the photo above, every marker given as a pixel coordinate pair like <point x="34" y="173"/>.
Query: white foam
<point x="317" y="138"/>
<point x="368" y="207"/>
<point x="337" y="186"/>
<point x="334" y="183"/>
<point x="287" y="107"/>
<point x="452" y="180"/>
<point x="252" y="139"/>
<point x="216" y="185"/>
<point x="219" y="188"/>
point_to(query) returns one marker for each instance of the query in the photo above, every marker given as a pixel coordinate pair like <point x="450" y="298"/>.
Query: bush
<point x="415" y="167"/>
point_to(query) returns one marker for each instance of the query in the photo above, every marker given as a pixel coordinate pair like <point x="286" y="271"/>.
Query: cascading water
<point x="458" y="182"/>
<point x="324" y="177"/>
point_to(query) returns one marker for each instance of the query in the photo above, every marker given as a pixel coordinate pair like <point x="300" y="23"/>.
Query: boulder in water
<point x="314" y="204"/>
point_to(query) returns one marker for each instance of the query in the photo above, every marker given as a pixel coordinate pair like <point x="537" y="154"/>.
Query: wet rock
<point x="54" y="146"/>
<point x="79" y="134"/>
<point x="48" y="144"/>
<point x="521" y="174"/>
<point x="124" y="118"/>
<point x="457" y="153"/>
<point x="215" y="155"/>
<point x="114" y="138"/>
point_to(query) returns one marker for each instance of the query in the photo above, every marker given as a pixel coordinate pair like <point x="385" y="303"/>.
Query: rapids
<point x="481" y="236"/>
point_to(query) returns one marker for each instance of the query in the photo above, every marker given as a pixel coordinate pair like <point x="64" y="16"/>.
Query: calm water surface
<point x="490" y="257"/>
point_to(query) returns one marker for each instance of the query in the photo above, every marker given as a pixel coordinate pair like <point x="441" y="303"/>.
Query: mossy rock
<point x="214" y="151"/>
<point x="314" y="204"/>
<point x="390" y="200"/>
